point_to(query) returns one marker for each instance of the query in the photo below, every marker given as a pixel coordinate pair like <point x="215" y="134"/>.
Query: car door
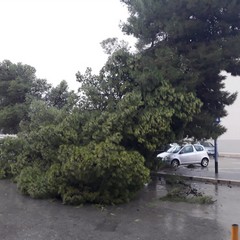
<point x="200" y="153"/>
<point x="187" y="155"/>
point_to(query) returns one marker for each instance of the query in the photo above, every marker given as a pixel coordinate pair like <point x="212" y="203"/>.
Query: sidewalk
<point x="228" y="171"/>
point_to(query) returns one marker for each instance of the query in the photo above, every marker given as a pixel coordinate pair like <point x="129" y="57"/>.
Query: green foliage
<point x="61" y="157"/>
<point x="179" y="190"/>
<point x="132" y="98"/>
<point x="189" y="43"/>
<point x="54" y="180"/>
<point x="97" y="173"/>
<point x="20" y="89"/>
<point x="10" y="148"/>
<point x="18" y="84"/>
<point x="32" y="181"/>
<point x="179" y="195"/>
<point x="59" y="97"/>
<point x="102" y="173"/>
<point x="41" y="114"/>
<point x="104" y="91"/>
<point x="112" y="45"/>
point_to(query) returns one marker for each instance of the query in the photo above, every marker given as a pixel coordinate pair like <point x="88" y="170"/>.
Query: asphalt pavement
<point x="228" y="170"/>
<point x="145" y="217"/>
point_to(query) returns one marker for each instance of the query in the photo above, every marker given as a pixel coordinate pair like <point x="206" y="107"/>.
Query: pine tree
<point x="190" y="43"/>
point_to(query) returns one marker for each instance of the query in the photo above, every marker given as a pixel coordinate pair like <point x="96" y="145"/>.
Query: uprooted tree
<point x="97" y="148"/>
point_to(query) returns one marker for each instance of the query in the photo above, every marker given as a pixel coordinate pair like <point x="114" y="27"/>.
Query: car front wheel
<point x="204" y="162"/>
<point x="175" y="163"/>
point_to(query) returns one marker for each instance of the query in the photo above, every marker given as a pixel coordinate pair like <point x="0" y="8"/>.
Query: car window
<point x="210" y="145"/>
<point x="199" y="148"/>
<point x="187" y="149"/>
<point x="176" y="149"/>
<point x="206" y="144"/>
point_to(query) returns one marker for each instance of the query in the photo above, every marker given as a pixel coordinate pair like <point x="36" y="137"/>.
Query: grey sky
<point x="232" y="121"/>
<point x="59" y="37"/>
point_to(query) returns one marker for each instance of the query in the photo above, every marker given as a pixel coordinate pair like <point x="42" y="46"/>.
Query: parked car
<point x="209" y="147"/>
<point x="188" y="154"/>
<point x="173" y="149"/>
<point x="165" y="148"/>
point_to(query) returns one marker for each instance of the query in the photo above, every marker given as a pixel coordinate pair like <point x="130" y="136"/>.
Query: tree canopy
<point x="19" y="87"/>
<point x="18" y="84"/>
<point x="197" y="38"/>
<point x="132" y="99"/>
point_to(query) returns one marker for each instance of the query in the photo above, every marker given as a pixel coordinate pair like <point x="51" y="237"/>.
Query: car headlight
<point x="166" y="158"/>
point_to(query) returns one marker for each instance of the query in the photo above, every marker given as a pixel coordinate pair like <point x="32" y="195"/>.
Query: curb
<point x="229" y="155"/>
<point x="200" y="179"/>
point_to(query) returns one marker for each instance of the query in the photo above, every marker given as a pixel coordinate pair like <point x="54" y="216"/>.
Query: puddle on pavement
<point x="225" y="209"/>
<point x="144" y="216"/>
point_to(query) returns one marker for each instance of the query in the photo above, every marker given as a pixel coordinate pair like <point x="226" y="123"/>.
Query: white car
<point x="173" y="149"/>
<point x="209" y="147"/>
<point x="188" y="154"/>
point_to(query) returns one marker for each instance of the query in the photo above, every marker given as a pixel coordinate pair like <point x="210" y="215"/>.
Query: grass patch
<point x="180" y="191"/>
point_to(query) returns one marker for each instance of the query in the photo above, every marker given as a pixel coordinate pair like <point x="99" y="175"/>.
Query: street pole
<point x="217" y="121"/>
<point x="216" y="155"/>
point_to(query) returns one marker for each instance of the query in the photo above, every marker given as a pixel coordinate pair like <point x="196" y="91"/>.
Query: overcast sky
<point x="232" y="121"/>
<point x="61" y="37"/>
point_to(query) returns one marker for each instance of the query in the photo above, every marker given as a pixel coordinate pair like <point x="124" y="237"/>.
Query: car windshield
<point x="170" y="150"/>
<point x="176" y="149"/>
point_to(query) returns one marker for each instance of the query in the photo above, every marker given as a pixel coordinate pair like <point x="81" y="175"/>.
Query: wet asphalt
<point x="146" y="217"/>
<point x="228" y="169"/>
